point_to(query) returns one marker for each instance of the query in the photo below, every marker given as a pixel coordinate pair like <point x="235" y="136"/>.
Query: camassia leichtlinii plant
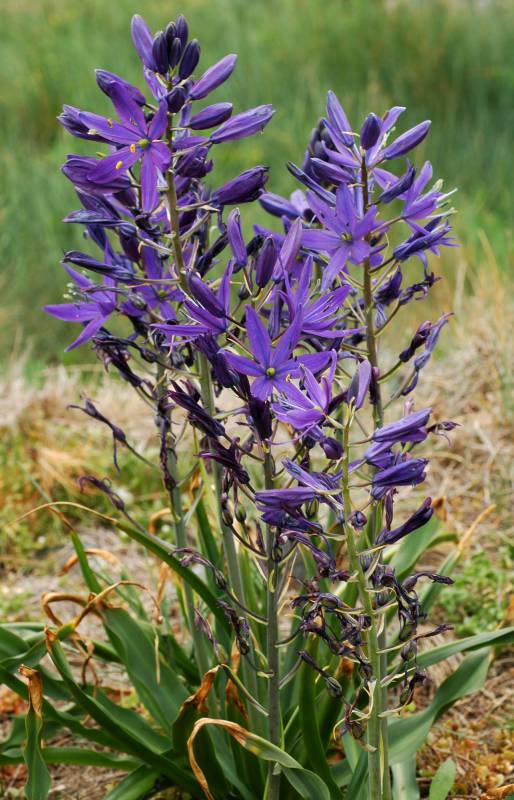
<point x="289" y="436"/>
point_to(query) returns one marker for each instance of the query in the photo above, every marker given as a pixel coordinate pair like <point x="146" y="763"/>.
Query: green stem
<point x="272" y="651"/>
<point x="373" y="731"/>
<point x="229" y="547"/>
<point x="177" y="511"/>
<point x="378" y="417"/>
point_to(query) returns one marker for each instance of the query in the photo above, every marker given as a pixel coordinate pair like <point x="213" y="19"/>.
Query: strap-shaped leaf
<point x="126" y="741"/>
<point x="306" y="783"/>
<point x="154" y="545"/>
<point x="412" y="548"/>
<point x="159" y="688"/>
<point x="38" y="777"/>
<point x="315" y="750"/>
<point x="442" y="781"/>
<point x="135" y="785"/>
<point x="498" y="638"/>
<point x="405" y="785"/>
<point x="407" y="735"/>
<point x="159" y="548"/>
<point x="76" y="756"/>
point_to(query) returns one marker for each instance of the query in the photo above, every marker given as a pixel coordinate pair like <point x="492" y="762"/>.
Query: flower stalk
<point x="296" y="357"/>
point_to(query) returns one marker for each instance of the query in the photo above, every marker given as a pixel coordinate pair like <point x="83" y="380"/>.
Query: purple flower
<point x="304" y="409"/>
<point x="278" y="206"/>
<point x="108" y="81"/>
<point x="77" y="169"/>
<point x="235" y="237"/>
<point x="289" y="500"/>
<point x="137" y="141"/>
<point x="327" y="487"/>
<point x="415" y="521"/>
<point x="404" y="473"/>
<point x="271" y="366"/>
<point x="398" y="187"/>
<point x="245" y="124"/>
<point x="143" y="41"/>
<point x="319" y="316"/>
<point x="427" y="335"/>
<point x="92" y="313"/>
<point x="411" y="428"/>
<point x="208" y="312"/>
<point x="359" y="385"/>
<point x="345" y="234"/>
<point x="428" y="238"/>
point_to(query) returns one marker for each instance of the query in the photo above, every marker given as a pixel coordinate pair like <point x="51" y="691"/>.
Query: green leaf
<point x="405" y="785"/>
<point x="407" y="735"/>
<point x="61" y="718"/>
<point x="412" y="548"/>
<point x="498" y="638"/>
<point x="160" y="549"/>
<point x="357" y="786"/>
<point x="442" y="781"/>
<point x="77" y="756"/>
<point x="315" y="750"/>
<point x="110" y="724"/>
<point x="159" y="688"/>
<point x="207" y="539"/>
<point x="135" y="785"/>
<point x="306" y="783"/>
<point x="38" y="778"/>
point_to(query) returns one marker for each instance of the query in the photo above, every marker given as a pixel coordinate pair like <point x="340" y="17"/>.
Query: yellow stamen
<point x="110" y="123"/>
<point x="119" y="165"/>
<point x="132" y="148"/>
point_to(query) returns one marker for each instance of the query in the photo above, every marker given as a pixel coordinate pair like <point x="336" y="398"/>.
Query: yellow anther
<point x="119" y="165"/>
<point x="132" y="148"/>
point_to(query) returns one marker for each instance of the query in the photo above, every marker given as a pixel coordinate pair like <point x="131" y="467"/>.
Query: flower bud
<point x="235" y="237"/>
<point x="170" y="32"/>
<point x="210" y="116"/>
<point x="265" y="263"/>
<point x="370" y="131"/>
<point x="213" y="77"/>
<point x="175" y="99"/>
<point x="245" y="187"/>
<point x="331" y="447"/>
<point x="160" y="53"/>
<point x="219" y="579"/>
<point x="190" y="59"/>
<point x="174" y="52"/>
<point x="245" y="124"/>
<point x="182" y="29"/>
<point x="408" y="140"/>
<point x="358" y="519"/>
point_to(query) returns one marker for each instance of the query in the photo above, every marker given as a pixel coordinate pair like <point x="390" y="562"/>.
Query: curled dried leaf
<point x="35" y="688"/>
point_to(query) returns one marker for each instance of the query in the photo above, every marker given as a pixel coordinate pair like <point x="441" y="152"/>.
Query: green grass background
<point x="452" y="62"/>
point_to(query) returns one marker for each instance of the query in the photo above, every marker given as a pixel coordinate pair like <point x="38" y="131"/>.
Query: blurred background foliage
<point x="451" y="61"/>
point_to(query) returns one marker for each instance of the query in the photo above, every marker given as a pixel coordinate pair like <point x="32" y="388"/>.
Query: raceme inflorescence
<point x="274" y="349"/>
